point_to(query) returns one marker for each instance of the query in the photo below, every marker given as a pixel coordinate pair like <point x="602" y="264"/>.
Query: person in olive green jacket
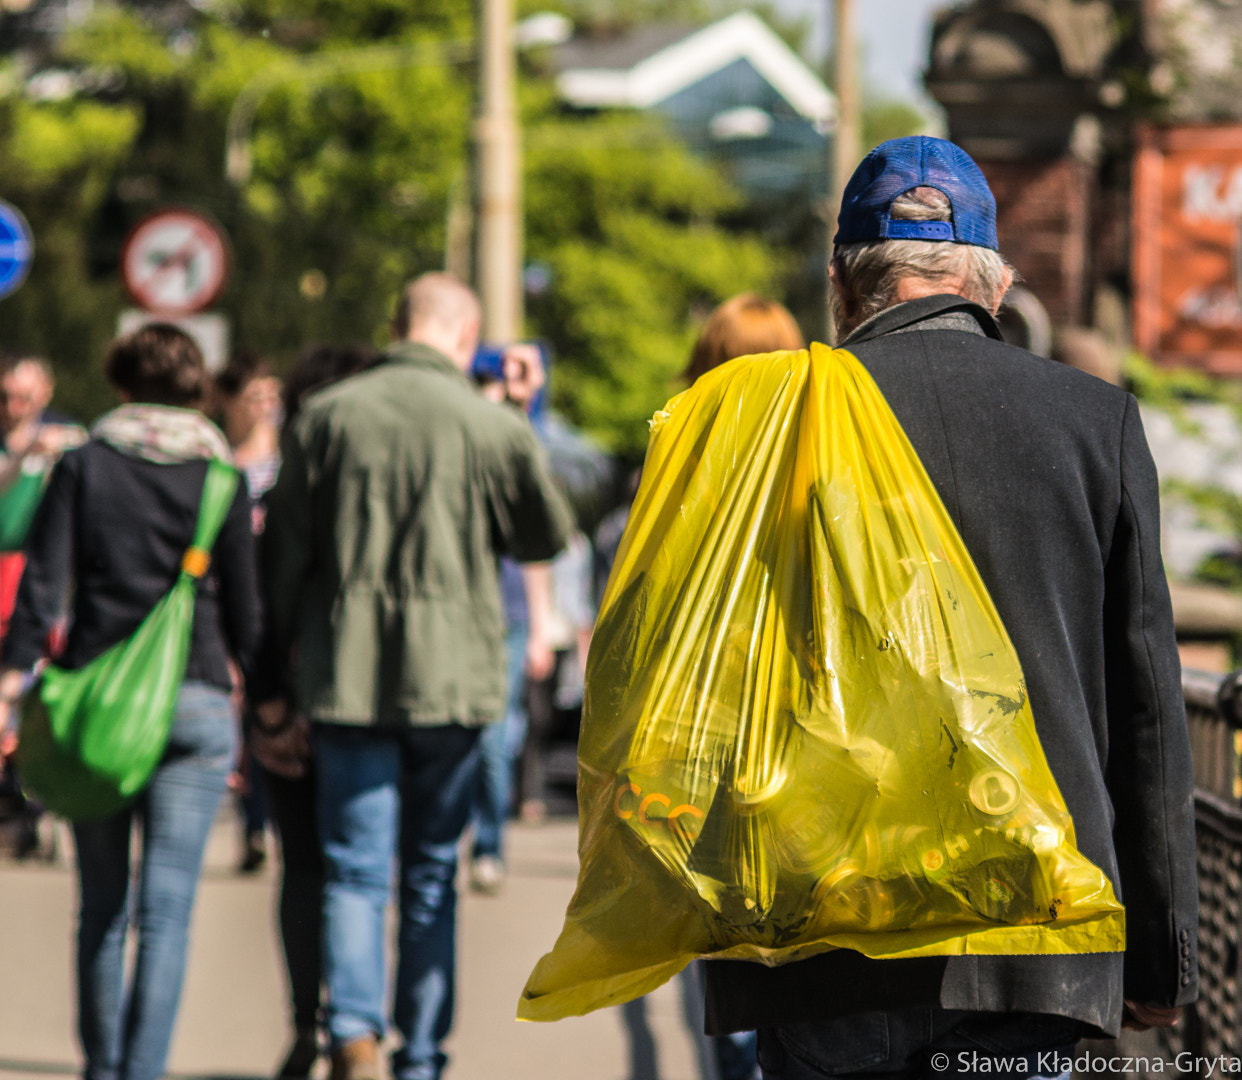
<point x="399" y="488"/>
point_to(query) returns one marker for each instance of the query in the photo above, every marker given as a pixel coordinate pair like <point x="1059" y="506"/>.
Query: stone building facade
<point x="1050" y="97"/>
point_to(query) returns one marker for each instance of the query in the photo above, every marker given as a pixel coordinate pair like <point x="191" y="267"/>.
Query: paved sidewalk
<point x="232" y="1019"/>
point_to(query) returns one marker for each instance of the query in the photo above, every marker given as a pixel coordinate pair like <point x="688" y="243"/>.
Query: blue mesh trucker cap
<point x="896" y="166"/>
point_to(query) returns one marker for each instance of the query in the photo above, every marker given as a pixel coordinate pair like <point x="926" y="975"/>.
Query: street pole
<point x="498" y="259"/>
<point x="847" y="138"/>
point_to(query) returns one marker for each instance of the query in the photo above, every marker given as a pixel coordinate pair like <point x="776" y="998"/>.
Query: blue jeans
<point x="920" y="1044"/>
<point x="500" y="745"/>
<point x="382" y="794"/>
<point x="736" y="1055"/>
<point x="125" y="1035"/>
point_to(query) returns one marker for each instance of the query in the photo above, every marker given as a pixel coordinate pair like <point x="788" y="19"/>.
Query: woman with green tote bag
<point x="112" y="532"/>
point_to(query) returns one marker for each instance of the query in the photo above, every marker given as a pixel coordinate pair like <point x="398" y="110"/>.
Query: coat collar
<point x="416" y="354"/>
<point x="906" y="316"/>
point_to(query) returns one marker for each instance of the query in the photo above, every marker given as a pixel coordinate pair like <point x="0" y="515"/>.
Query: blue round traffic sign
<point x="16" y="248"/>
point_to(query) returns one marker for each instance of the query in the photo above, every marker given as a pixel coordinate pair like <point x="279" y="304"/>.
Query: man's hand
<point x="52" y="440"/>
<point x="12" y="683"/>
<point x="280" y="743"/>
<point x="522" y="370"/>
<point x="8" y="739"/>
<point x="1138" y="1017"/>
<point x="540" y="659"/>
<point x="237" y="693"/>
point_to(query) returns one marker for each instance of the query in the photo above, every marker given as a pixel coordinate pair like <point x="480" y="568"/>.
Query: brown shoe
<point x="357" y="1059"/>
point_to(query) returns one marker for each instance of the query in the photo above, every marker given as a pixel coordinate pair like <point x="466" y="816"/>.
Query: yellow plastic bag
<point x="805" y="727"/>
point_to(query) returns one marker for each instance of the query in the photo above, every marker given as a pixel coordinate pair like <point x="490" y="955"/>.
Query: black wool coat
<point x="1047" y="474"/>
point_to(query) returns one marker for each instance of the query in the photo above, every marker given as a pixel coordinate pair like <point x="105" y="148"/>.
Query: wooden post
<point x="847" y="138"/>
<point x="498" y="260"/>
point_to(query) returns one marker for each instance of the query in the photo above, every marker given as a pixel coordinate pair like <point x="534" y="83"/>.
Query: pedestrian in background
<point x="248" y="397"/>
<point x="398" y="490"/>
<point x="553" y="700"/>
<point x="526" y="596"/>
<point x="112" y="528"/>
<point x="33" y="440"/>
<point x="290" y="784"/>
<point x="744" y="325"/>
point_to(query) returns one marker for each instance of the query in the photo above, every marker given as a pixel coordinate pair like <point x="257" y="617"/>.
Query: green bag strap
<point x="218" y="491"/>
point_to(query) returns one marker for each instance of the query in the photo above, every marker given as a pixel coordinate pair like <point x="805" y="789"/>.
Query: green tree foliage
<point x="630" y="226"/>
<point x="57" y="161"/>
<point x="1213" y="503"/>
<point x="884" y="120"/>
<point x="347" y="193"/>
<point x="353" y="154"/>
<point x="359" y="146"/>
<point x="607" y="13"/>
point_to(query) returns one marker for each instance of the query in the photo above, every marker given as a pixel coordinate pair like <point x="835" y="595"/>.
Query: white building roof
<point x="690" y="58"/>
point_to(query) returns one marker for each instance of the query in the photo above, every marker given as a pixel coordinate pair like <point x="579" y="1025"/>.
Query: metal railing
<point x="1214" y="717"/>
<point x="1212" y="706"/>
<point x="1209" y="1029"/>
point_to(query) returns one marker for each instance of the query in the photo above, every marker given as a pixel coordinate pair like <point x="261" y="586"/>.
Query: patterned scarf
<point x="161" y="434"/>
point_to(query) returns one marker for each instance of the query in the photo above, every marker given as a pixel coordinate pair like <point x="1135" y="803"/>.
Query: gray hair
<point x="870" y="272"/>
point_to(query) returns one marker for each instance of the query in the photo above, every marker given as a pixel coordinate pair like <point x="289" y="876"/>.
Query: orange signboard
<point x="1188" y="247"/>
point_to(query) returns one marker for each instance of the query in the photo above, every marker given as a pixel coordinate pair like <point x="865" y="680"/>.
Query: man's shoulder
<point x="93" y="454"/>
<point x="403" y="392"/>
<point x="973" y="362"/>
<point x="1049" y="382"/>
<point x="383" y="385"/>
<point x="359" y="386"/>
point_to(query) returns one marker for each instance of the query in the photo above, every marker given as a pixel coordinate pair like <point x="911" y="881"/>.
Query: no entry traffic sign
<point x="175" y="262"/>
<point x="16" y="248"/>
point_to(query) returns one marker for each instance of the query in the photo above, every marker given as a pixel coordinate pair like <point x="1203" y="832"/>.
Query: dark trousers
<point x="292" y="806"/>
<point x="920" y="1044"/>
<point x="541" y="723"/>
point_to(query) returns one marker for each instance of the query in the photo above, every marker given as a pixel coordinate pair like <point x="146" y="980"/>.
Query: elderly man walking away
<point x="1047" y="475"/>
<point x="399" y="488"/>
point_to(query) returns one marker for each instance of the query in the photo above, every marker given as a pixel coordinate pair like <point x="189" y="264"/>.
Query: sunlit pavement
<point x="232" y="1023"/>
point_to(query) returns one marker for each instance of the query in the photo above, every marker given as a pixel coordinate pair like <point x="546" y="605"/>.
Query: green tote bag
<point x="91" y="738"/>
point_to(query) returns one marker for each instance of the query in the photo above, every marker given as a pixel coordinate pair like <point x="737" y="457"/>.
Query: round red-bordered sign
<point x="175" y="262"/>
